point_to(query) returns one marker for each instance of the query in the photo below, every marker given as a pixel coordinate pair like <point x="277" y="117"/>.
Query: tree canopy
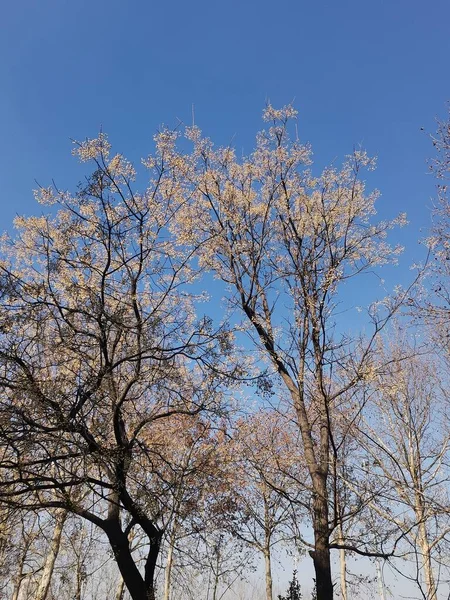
<point x="191" y="432"/>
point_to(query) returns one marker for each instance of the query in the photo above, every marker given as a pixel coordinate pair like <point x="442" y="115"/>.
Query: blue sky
<point x="358" y="72"/>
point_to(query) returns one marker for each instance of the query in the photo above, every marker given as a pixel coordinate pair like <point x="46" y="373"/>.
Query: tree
<point x="285" y="242"/>
<point x="99" y="345"/>
<point x="263" y="449"/>
<point x="294" y="591"/>
<point x="51" y="555"/>
<point x="9" y="526"/>
<point x="191" y="469"/>
<point x="25" y="565"/>
<point x="434" y="303"/>
<point x="407" y="446"/>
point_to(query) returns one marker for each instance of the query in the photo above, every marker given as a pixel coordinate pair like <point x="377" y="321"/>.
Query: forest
<point x="195" y="384"/>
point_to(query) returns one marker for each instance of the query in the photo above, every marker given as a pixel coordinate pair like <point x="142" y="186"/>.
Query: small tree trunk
<point x="415" y="468"/>
<point x="120" y="589"/>
<point x="267" y="554"/>
<point x="20" y="576"/>
<point x="150" y="565"/>
<point x="5" y="533"/>
<point x="426" y="561"/>
<point x="169" y="563"/>
<point x="342" y="563"/>
<point x="216" y="574"/>
<point x="318" y="467"/>
<point x="269" y="584"/>
<point x="322" y="567"/>
<point x="25" y="592"/>
<point x="52" y="554"/>
<point x="17" y="586"/>
<point x="380" y="580"/>
<point x="17" y="583"/>
<point x="216" y="586"/>
<point x="80" y="577"/>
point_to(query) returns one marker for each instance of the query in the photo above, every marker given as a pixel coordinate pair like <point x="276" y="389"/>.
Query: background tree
<point x="25" y="565"/>
<point x="294" y="590"/>
<point x="264" y="494"/>
<point x="190" y="471"/>
<point x="406" y="440"/>
<point x="51" y="554"/>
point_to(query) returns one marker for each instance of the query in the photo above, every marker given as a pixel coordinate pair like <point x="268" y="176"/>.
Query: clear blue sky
<point x="358" y="72"/>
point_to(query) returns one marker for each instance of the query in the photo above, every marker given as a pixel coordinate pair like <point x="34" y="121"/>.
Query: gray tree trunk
<point x="52" y="554"/>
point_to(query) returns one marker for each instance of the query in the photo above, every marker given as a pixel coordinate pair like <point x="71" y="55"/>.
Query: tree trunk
<point x="269" y="585"/>
<point x="317" y="461"/>
<point x="322" y="567"/>
<point x="380" y="580"/>
<point x="420" y="509"/>
<point x="150" y="565"/>
<point x="342" y="563"/>
<point x="25" y="593"/>
<point x="120" y="589"/>
<point x="267" y="554"/>
<point x="138" y="588"/>
<point x="16" y="589"/>
<point x="216" y="574"/>
<point x="321" y="552"/>
<point x="426" y="561"/>
<point x="20" y="577"/>
<point x="169" y="563"/>
<point x="52" y="554"/>
<point x="17" y="583"/>
<point x="80" y="578"/>
<point x="216" y="586"/>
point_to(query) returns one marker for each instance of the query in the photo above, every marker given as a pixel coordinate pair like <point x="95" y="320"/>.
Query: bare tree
<point x="25" y="567"/>
<point x="407" y="443"/>
<point x="264" y="452"/>
<point x="191" y="466"/>
<point x="434" y="303"/>
<point x="51" y="555"/>
<point x="285" y="242"/>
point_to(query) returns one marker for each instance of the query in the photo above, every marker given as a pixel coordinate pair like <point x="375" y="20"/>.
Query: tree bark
<point x="380" y="580"/>
<point x="420" y="509"/>
<point x="216" y="574"/>
<point x="18" y="581"/>
<point x="120" y="589"/>
<point x="21" y="576"/>
<point x="426" y="561"/>
<point x="322" y="567"/>
<point x="318" y="467"/>
<point x="138" y="587"/>
<point x="52" y="554"/>
<point x="321" y="552"/>
<point x="268" y="565"/>
<point x="150" y="565"/>
<point x="169" y="563"/>
<point x="342" y="563"/>
<point x="17" y="586"/>
<point x="168" y="573"/>
<point x="267" y="554"/>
